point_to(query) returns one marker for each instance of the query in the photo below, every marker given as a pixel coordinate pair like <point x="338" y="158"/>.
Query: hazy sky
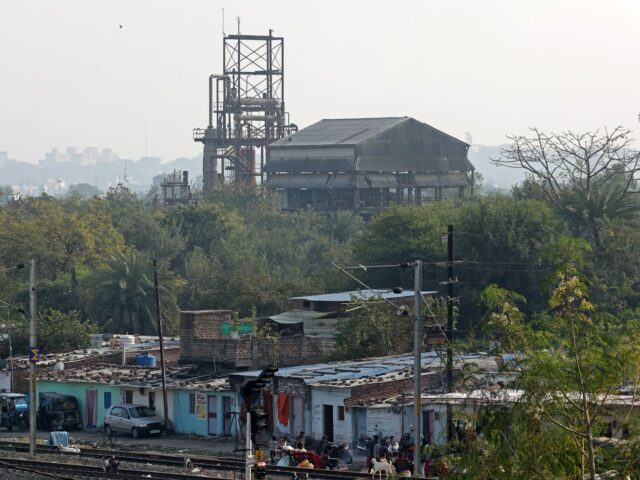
<point x="69" y="75"/>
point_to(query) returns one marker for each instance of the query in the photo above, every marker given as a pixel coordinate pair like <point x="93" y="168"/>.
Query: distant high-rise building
<point x="75" y="156"/>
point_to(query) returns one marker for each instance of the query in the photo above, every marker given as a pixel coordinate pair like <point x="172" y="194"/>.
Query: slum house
<point x="302" y="335"/>
<point x="214" y="338"/>
<point x="480" y="372"/>
<point x="318" y="316"/>
<point x="198" y="402"/>
<point x="366" y="164"/>
<point x="331" y="398"/>
<point x="468" y="406"/>
<point x="113" y="352"/>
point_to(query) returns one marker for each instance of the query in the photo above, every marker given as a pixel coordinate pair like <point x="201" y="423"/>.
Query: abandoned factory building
<point x="367" y="164"/>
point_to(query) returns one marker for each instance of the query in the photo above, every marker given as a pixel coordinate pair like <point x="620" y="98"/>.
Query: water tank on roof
<point x="126" y="340"/>
<point x="146" y="360"/>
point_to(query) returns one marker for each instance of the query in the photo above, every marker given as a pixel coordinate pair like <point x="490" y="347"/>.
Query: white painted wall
<point x="388" y="421"/>
<point x="342" y="429"/>
<point x="5" y="380"/>
<point x="143" y="399"/>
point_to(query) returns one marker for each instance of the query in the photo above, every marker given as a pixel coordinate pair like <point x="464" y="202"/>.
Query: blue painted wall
<point x="79" y="390"/>
<point x="185" y="422"/>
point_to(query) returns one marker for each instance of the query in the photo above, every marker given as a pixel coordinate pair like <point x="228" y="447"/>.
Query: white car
<point x="135" y="419"/>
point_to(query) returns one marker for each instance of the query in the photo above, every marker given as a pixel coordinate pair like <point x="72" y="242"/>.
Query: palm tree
<point x="587" y="211"/>
<point x="342" y="225"/>
<point x="124" y="297"/>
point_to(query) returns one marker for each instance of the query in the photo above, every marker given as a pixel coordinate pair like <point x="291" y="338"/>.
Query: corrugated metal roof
<point x="396" y="144"/>
<point x="345" y="131"/>
<point x="344" y="297"/>
<point x="320" y="327"/>
<point x="298" y="316"/>
<point x="326" y="372"/>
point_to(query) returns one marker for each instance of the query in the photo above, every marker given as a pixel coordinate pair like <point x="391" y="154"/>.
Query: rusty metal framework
<point x="246" y="110"/>
<point x="176" y="189"/>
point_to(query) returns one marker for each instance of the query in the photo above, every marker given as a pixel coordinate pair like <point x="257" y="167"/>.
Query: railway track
<point x="204" y="462"/>
<point x="71" y="471"/>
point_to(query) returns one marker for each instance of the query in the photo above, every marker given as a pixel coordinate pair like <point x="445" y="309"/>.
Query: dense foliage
<point x="94" y="258"/>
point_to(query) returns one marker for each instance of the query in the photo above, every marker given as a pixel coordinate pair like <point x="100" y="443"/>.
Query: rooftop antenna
<point x="223" y="34"/>
<point x="238" y="20"/>
<point x="125" y="171"/>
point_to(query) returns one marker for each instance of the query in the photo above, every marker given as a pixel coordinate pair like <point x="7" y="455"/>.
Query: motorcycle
<point x="363" y="444"/>
<point x="334" y="453"/>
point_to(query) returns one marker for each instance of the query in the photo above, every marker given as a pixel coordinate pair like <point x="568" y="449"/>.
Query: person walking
<point x="273" y="449"/>
<point x="426" y="458"/>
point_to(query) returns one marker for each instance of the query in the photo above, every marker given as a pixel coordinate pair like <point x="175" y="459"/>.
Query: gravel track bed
<point x="14" y="475"/>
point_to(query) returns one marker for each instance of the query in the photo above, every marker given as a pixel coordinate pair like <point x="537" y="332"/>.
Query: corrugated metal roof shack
<point x="319" y="399"/>
<point x="367" y="164"/>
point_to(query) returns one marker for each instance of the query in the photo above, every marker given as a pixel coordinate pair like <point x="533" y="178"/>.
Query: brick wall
<point x="201" y="342"/>
<point x="200" y="332"/>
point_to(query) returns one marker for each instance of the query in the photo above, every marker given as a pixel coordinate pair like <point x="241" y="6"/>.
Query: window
<point x="340" y="412"/>
<point x="128" y="396"/>
<point x="152" y="400"/>
<point x="192" y="403"/>
<point x="107" y="399"/>
<point x="141" y="412"/>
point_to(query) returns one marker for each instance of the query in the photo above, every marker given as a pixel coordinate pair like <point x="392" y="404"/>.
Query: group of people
<point x="276" y="447"/>
<point x="399" y="453"/>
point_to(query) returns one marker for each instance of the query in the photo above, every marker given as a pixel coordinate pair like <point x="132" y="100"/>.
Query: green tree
<point x="84" y="190"/>
<point x="342" y="225"/>
<point x="124" y="299"/>
<point x="57" y="331"/>
<point x="373" y="330"/>
<point x="61" y="234"/>
<point x="588" y="177"/>
<point x="497" y="240"/>
<point x="571" y="364"/>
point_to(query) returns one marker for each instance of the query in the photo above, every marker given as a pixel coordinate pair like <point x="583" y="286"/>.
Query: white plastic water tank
<point x="126" y="340"/>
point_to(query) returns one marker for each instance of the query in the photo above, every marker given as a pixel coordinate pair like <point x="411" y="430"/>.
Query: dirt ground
<point x="194" y="445"/>
<point x="174" y="443"/>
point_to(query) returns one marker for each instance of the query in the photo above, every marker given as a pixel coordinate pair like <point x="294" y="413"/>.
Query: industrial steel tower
<point x="246" y="110"/>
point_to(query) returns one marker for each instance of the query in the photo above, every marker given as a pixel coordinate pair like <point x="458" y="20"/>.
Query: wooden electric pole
<point x="162" y="366"/>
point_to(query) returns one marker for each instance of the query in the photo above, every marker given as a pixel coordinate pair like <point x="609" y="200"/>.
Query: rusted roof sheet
<point x="336" y="131"/>
<point x="397" y="144"/>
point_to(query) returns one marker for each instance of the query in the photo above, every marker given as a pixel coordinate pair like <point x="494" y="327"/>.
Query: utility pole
<point x="417" y="366"/>
<point x="248" y="448"/>
<point x="32" y="365"/>
<point x="450" y="429"/>
<point x="162" y="367"/>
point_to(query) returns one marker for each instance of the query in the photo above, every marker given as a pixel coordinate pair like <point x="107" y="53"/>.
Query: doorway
<point x="212" y="415"/>
<point x="91" y="398"/>
<point x="297" y="424"/>
<point x="426" y="426"/>
<point x="226" y="415"/>
<point x="327" y="421"/>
